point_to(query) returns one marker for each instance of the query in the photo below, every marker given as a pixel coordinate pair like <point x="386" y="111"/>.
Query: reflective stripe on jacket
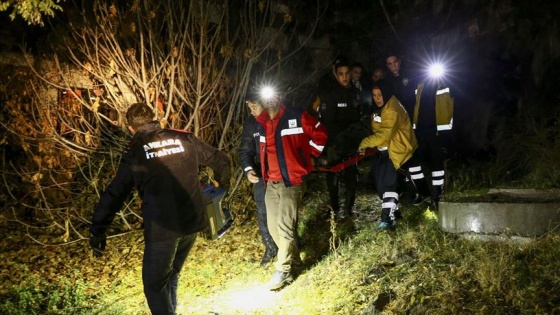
<point x="444" y="108"/>
<point x="298" y="136"/>
<point x="392" y="131"/>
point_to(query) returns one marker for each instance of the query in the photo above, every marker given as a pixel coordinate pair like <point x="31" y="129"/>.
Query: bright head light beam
<point x="436" y="70"/>
<point x="267" y="92"/>
<point x="237" y="298"/>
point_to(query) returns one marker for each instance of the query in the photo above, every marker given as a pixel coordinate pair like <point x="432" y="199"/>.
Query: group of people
<point x="409" y="117"/>
<point x="429" y="104"/>
<point x="405" y="120"/>
<point x="162" y="165"/>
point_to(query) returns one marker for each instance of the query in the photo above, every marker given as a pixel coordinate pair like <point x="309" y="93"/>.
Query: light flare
<point x="239" y="298"/>
<point x="436" y="70"/>
<point x="268" y="92"/>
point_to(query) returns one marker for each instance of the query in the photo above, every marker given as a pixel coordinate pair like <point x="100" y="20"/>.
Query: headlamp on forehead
<point x="436" y="70"/>
<point x="267" y="93"/>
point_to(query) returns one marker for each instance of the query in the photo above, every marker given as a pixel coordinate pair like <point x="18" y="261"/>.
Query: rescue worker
<point x="326" y="83"/>
<point x="377" y="74"/>
<point x="395" y="140"/>
<point x="328" y="80"/>
<point x="339" y="110"/>
<point x="356" y="72"/>
<point x="433" y="122"/>
<point x="403" y="84"/>
<point x="162" y="164"/>
<point x="249" y="158"/>
<point x="402" y="81"/>
<point x="288" y="139"/>
<point x="367" y="99"/>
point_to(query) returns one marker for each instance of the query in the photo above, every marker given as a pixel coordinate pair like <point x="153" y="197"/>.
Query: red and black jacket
<point x="298" y="136"/>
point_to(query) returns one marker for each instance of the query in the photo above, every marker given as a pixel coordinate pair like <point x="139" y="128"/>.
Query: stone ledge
<point x="527" y="219"/>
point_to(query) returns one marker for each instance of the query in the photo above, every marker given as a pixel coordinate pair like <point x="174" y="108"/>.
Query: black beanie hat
<point x="252" y="94"/>
<point x="339" y="59"/>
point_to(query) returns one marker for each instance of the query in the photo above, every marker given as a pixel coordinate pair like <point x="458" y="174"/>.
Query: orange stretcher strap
<point x="349" y="161"/>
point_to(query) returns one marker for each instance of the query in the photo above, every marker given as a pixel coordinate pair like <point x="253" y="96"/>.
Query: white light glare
<point x="267" y="92"/>
<point x="237" y="298"/>
<point x="436" y="70"/>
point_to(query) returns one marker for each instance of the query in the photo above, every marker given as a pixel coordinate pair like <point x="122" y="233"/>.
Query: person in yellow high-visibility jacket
<point x="394" y="138"/>
<point x="432" y="120"/>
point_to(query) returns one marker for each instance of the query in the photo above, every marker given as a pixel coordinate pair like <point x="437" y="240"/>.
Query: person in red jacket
<point x="162" y="164"/>
<point x="289" y="138"/>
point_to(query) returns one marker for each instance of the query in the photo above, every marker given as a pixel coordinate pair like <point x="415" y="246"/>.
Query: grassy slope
<point x="348" y="269"/>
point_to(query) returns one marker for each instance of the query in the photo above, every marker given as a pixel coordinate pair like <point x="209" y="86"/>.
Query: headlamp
<point x="267" y="93"/>
<point x="436" y="70"/>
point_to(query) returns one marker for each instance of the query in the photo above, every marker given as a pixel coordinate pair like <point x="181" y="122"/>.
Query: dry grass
<point x="348" y="269"/>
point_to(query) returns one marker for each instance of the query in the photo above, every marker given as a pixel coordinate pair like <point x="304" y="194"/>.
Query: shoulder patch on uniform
<point x="292" y="123"/>
<point x="156" y="149"/>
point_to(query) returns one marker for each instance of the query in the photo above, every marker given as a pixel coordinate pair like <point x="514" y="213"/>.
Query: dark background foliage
<point x="503" y="58"/>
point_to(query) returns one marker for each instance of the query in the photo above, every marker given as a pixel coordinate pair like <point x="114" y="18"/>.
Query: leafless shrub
<point x="190" y="61"/>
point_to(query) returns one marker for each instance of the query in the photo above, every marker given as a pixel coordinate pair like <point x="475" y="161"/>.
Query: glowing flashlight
<point x="267" y="93"/>
<point x="436" y="70"/>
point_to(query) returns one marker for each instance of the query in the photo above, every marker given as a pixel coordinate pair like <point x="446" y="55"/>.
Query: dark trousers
<point x="259" y="191"/>
<point x="386" y="176"/>
<point x="349" y="178"/>
<point x="386" y="183"/>
<point x="161" y="265"/>
<point x="431" y="154"/>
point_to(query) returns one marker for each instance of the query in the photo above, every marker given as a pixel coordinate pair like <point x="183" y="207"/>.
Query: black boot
<point x="416" y="186"/>
<point x="333" y="188"/>
<point x="388" y="215"/>
<point x="270" y="251"/>
<point x="350" y="183"/>
<point x="422" y="192"/>
<point x="437" y="191"/>
<point x="386" y="221"/>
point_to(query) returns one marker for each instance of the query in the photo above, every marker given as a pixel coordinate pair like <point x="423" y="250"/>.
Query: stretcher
<point x="336" y="168"/>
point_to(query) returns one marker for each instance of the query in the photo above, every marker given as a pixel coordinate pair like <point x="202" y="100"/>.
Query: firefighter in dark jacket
<point x="340" y="108"/>
<point x="162" y="164"/>
<point x="288" y="140"/>
<point x="249" y="158"/>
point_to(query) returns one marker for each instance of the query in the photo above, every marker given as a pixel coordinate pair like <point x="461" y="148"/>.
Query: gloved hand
<point x="97" y="244"/>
